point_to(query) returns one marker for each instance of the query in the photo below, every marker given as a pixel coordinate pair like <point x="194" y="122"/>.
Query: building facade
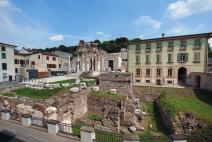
<point x="7" y="68"/>
<point x="91" y="58"/>
<point x="33" y="64"/>
<point x="168" y="60"/>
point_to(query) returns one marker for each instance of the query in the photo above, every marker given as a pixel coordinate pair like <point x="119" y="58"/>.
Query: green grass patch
<point x="187" y="100"/>
<point x="8" y="94"/>
<point x="95" y="117"/>
<point x="37" y="94"/>
<point x="71" y="81"/>
<point x="107" y="95"/>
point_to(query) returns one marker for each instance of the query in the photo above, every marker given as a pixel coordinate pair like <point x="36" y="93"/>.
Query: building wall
<point x="10" y="64"/>
<point x="190" y="66"/>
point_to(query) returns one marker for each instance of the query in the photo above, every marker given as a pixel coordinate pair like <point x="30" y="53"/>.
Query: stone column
<point x="26" y="120"/>
<point x="87" y="134"/>
<point x="5" y="114"/>
<point x="69" y="63"/>
<point x="53" y="126"/>
<point x="131" y="138"/>
<point x="178" y="138"/>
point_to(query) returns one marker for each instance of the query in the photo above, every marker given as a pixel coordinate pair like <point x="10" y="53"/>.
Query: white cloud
<point x="56" y="38"/>
<point x="148" y="21"/>
<point x="184" y="8"/>
<point x="182" y="29"/>
<point x="4" y="3"/>
<point x="141" y="36"/>
<point x="100" y="33"/>
<point x="210" y="42"/>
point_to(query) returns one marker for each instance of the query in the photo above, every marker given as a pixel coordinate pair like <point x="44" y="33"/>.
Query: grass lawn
<point x="107" y="95"/>
<point x="187" y="100"/>
<point x="94" y="116"/>
<point x="36" y="94"/>
<point x="66" y="81"/>
<point x="154" y="119"/>
<point x="8" y="94"/>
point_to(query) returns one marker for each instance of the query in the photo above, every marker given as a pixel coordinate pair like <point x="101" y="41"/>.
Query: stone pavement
<point x="14" y="132"/>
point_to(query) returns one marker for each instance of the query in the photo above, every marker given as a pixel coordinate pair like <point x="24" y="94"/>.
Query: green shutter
<point x="178" y="57"/>
<point x="186" y="57"/>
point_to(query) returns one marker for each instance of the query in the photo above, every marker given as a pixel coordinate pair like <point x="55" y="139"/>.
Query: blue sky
<point x="47" y="23"/>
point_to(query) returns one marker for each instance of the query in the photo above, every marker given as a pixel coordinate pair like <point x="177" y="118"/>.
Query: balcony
<point x="170" y="48"/>
<point x="183" y="48"/>
<point x="148" y="50"/>
<point x="137" y="63"/>
<point x="137" y="51"/>
<point x="158" y="63"/>
<point x="197" y="47"/>
<point x="159" y="49"/>
<point x="196" y="62"/>
<point x="170" y="62"/>
<point x="148" y="62"/>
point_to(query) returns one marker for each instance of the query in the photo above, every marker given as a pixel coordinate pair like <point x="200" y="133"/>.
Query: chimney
<point x="162" y="35"/>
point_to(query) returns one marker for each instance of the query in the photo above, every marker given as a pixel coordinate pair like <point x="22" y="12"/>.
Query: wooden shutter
<point x="186" y="57"/>
<point x="178" y="57"/>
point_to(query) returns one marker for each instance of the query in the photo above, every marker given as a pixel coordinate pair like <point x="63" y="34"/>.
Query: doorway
<point x="182" y="73"/>
<point x="198" y="80"/>
<point x="110" y="65"/>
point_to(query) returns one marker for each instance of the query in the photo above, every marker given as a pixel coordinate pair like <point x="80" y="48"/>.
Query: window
<point x="148" y="45"/>
<point x="47" y="57"/>
<point x="138" y="72"/>
<point x="169" y="82"/>
<point x="27" y="62"/>
<point x="158" y="59"/>
<point x="3" y="55"/>
<point x="33" y="63"/>
<point x="38" y="56"/>
<point x="159" y="45"/>
<point x="182" y="57"/>
<point x="59" y="65"/>
<point x="197" y="42"/>
<point x="16" y="61"/>
<point x="183" y="42"/>
<point x="147" y="81"/>
<point x="22" y="62"/>
<point x="16" y="70"/>
<point x="138" y="48"/>
<point x="4" y="75"/>
<point x="3" y="48"/>
<point x="170" y="58"/>
<point x="148" y="59"/>
<point x="169" y="72"/>
<point x="51" y="66"/>
<point x="196" y="57"/>
<point x="137" y="59"/>
<point x="54" y="58"/>
<point x="158" y="72"/>
<point x="4" y="66"/>
<point x="171" y="44"/>
<point x="147" y="72"/>
<point x="138" y="81"/>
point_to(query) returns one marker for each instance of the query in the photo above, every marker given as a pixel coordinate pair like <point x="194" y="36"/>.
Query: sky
<point x="48" y="23"/>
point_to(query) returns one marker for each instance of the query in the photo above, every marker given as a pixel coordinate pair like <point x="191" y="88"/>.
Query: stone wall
<point x="205" y="80"/>
<point x="122" y="82"/>
<point x="69" y="104"/>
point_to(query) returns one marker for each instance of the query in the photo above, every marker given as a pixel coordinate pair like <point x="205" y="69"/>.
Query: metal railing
<point x="155" y="139"/>
<point x="102" y="136"/>
<point x="40" y="122"/>
<point x="200" y="138"/>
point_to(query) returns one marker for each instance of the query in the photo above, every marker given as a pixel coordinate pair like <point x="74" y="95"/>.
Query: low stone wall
<point x="165" y="117"/>
<point x="69" y="106"/>
<point x="122" y="82"/>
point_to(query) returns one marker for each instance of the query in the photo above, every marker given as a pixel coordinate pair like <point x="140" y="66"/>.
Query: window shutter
<point x="178" y="57"/>
<point x="186" y="57"/>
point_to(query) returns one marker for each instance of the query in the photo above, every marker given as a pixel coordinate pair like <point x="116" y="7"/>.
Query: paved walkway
<point x="13" y="132"/>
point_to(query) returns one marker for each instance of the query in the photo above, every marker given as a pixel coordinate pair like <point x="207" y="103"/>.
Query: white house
<point x="7" y="66"/>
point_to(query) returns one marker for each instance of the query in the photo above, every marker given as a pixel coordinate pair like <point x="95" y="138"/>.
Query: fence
<point x="200" y="138"/>
<point x="155" y="139"/>
<point x="108" y="137"/>
<point x="39" y="121"/>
